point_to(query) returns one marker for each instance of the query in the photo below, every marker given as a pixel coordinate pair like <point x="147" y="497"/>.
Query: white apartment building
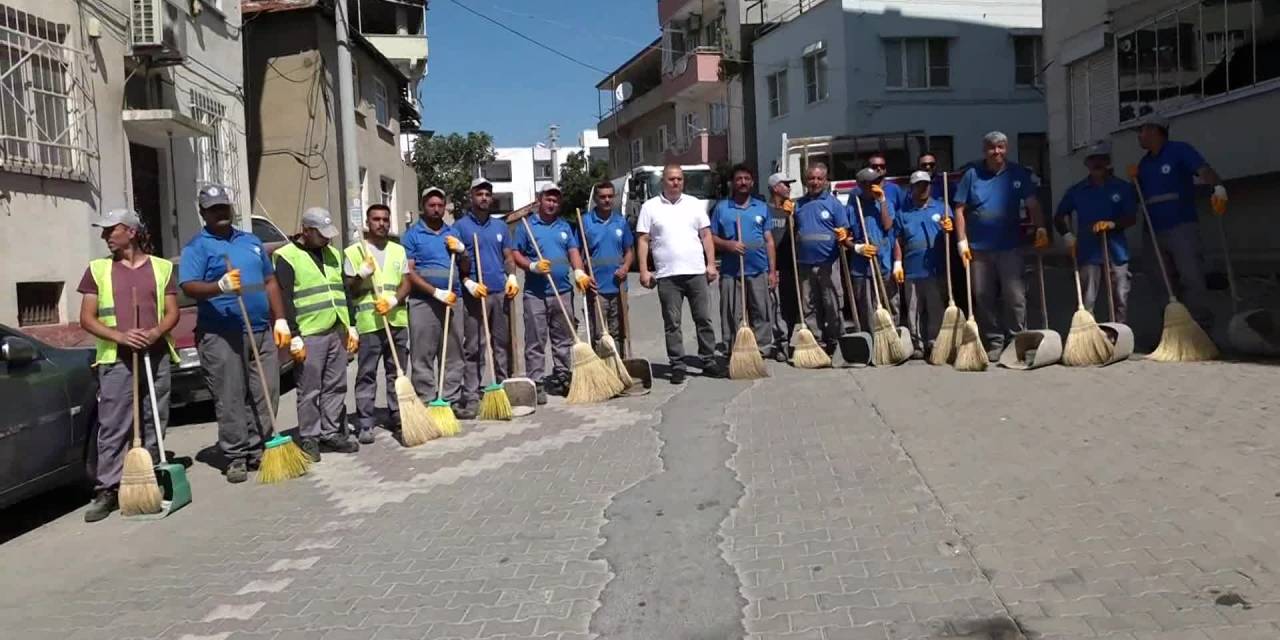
<point x="1211" y="66"/>
<point x="107" y="104"/>
<point x="518" y="172"/>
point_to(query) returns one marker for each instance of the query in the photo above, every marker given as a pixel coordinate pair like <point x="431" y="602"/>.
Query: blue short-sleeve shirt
<point x="919" y="229"/>
<point x="430" y="254"/>
<point x="493" y="238"/>
<point x="204" y="260"/>
<point x="607" y="241"/>
<point x="875" y="235"/>
<point x="1111" y="200"/>
<point x="756" y="222"/>
<point x="1168" y="184"/>
<point x="555" y="239"/>
<point x="816" y="220"/>
<point x="993" y="204"/>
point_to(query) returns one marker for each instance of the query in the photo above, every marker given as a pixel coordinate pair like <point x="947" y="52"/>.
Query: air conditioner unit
<point x="157" y="31"/>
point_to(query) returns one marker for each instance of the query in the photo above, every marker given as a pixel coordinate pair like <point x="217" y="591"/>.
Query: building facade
<point x="398" y="30"/>
<point x="518" y="172"/>
<point x="107" y="104"/>
<point x="903" y="77"/>
<point x="1212" y="67"/>
<point x="294" y="134"/>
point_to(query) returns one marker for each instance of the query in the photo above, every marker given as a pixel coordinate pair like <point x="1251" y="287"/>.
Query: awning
<point x="154" y="127"/>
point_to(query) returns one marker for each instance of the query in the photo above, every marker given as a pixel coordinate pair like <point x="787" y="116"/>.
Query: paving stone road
<point x="1141" y="501"/>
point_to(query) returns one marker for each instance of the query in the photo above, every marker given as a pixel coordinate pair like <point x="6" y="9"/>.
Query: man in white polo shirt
<point x="677" y="227"/>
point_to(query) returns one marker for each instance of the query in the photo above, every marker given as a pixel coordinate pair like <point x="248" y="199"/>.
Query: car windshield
<point x="698" y="184"/>
<point x="267" y="232"/>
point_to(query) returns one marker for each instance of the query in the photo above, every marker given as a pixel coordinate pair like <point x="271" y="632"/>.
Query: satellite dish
<point x="623" y="92"/>
<point x="682" y="65"/>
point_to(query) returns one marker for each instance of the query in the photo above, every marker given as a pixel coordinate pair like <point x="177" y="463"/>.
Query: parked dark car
<point x="187" y="386"/>
<point x="50" y="405"/>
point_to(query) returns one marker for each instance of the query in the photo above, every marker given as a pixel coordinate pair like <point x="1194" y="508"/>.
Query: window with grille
<point x="917" y="63"/>
<point x="1091" y="98"/>
<point x="542" y="170"/>
<point x="692" y="128"/>
<point x="637" y="151"/>
<point x="815" y="74"/>
<point x="43" y="108"/>
<point x="1194" y="52"/>
<point x="1028" y="54"/>
<point x="777" y="84"/>
<point x="212" y="162"/>
<point x="38" y="303"/>
<point x="381" y="105"/>
<point x="387" y="187"/>
<point x="497" y="171"/>
<point x="719" y="113"/>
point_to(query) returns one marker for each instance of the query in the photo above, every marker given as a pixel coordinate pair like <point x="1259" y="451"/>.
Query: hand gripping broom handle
<point x="946" y="253"/>
<point x="742" y="275"/>
<point x="1155" y="243"/>
<point x="559" y="301"/>
<point x="137" y="411"/>
<point x="484" y="311"/>
<point x="444" y="341"/>
<point x="1044" y="305"/>
<point x="391" y="341"/>
<point x="873" y="263"/>
<point x="586" y="250"/>
<point x="257" y="358"/>
<point x="1106" y="275"/>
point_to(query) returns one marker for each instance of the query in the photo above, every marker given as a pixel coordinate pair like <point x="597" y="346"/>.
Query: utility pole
<point x="347" y="119"/>
<point x="554" y="136"/>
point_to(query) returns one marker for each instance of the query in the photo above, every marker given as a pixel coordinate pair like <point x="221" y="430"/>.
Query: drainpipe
<point x="347" y="119"/>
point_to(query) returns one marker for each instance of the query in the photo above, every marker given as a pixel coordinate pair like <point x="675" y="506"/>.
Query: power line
<point x="529" y="39"/>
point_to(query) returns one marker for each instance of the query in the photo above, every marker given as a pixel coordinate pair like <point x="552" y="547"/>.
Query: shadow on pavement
<point x="37" y="511"/>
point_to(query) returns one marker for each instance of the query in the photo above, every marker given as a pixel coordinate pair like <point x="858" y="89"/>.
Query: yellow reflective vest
<point x="319" y="299"/>
<point x="100" y="269"/>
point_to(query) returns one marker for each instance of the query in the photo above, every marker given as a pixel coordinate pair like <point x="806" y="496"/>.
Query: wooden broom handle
<point x="742" y="274"/>
<point x="137" y="411"/>
<point x="1106" y="275"/>
<point x="1044" y="305"/>
<point x="873" y="263"/>
<point x="795" y="265"/>
<point x="586" y="250"/>
<point x="444" y="346"/>
<point x="391" y="341"/>
<point x="846" y="279"/>
<point x="1231" y="273"/>
<point x="484" y="311"/>
<point x="257" y="358"/>
<point x="1155" y="243"/>
<point x="550" y="280"/>
<point x="946" y="248"/>
<point x="1075" y="270"/>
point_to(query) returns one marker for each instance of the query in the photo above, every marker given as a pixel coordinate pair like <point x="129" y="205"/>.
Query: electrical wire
<point x="528" y="39"/>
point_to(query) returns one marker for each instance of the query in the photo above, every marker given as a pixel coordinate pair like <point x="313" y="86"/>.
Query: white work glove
<point x="353" y="340"/>
<point x="445" y="296"/>
<point x="382" y="306"/>
<point x="230" y="281"/>
<point x="297" y="349"/>
<point x="512" y="287"/>
<point x="281" y="333"/>
<point x="1219" y="199"/>
<point x="367" y="267"/>
<point x="899" y="275"/>
<point x="474" y="288"/>
<point x="866" y="250"/>
<point x="962" y="247"/>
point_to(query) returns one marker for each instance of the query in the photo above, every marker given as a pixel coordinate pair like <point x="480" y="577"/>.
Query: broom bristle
<point x="886" y="343"/>
<point x="1087" y="345"/>
<point x="746" y="363"/>
<point x="282" y="460"/>
<point x="607" y="349"/>
<point x="442" y="418"/>
<point x="591" y="380"/>
<point x="494" y="404"/>
<point x="970" y="356"/>
<point x="944" y="345"/>
<point x="807" y="354"/>
<point x="415" y="423"/>
<point x="1182" y="339"/>
<point x="139" y="491"/>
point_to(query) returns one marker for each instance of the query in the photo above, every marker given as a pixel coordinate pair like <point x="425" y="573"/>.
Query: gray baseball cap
<point x="481" y="182"/>
<point x="548" y="188"/>
<point x="779" y="178"/>
<point x="868" y="175"/>
<point x="921" y="176"/>
<point x="212" y="195"/>
<point x="318" y="218"/>
<point x="430" y="190"/>
<point x="1102" y="148"/>
<point x="118" y="216"/>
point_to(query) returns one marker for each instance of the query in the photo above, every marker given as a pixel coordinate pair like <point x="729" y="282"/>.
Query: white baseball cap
<point x="779" y="178"/>
<point x="920" y="176"/>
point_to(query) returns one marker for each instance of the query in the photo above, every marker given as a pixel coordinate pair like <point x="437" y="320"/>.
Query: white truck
<point x="845" y="155"/>
<point x="645" y="181"/>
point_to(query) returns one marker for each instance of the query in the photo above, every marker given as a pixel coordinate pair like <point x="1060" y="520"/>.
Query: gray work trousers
<point x="864" y="294"/>
<point x="238" y="399"/>
<point x="611" y="307"/>
<point x="475" y="357"/>
<point x="426" y="333"/>
<point x="115" y="413"/>
<point x="757" y="309"/>
<point x="923" y="307"/>
<point x="1091" y="279"/>
<point x="673" y="291"/>
<point x="821" y="302"/>
<point x="544" y="322"/>
<point x="1180" y="247"/>
<point x="375" y="347"/>
<point x="322" y="386"/>
<point x="999" y="272"/>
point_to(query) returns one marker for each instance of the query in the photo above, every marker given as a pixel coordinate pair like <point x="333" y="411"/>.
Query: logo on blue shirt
<point x="617" y="232"/>
<point x="1166" y="169"/>
<point x="937" y="217"/>
<point x="825" y="214"/>
<point x="498" y="237"/>
<point x="1115" y="197"/>
<point x="1017" y="184"/>
<point x="256" y="249"/>
<point x="564" y="236"/>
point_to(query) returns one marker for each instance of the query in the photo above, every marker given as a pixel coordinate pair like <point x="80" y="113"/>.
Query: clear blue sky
<point x="480" y="77"/>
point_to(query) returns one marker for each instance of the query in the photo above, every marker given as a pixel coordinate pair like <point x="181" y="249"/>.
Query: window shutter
<point x="1078" y="79"/>
<point x="1103" y="104"/>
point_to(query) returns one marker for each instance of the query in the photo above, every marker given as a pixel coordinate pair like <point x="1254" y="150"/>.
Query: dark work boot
<point x="311" y="447"/>
<point x="541" y="393"/>
<point x="366" y="436"/>
<point x="238" y="471"/>
<point x="339" y="444"/>
<point x="103" y="504"/>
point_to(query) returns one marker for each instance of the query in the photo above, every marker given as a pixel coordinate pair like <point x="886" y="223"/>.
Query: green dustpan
<point x="171" y="476"/>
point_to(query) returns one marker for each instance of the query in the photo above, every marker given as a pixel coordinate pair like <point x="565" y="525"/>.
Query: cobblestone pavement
<point x="1135" y="502"/>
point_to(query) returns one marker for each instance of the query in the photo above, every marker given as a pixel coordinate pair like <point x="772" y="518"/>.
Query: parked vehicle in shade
<point x="50" y="403"/>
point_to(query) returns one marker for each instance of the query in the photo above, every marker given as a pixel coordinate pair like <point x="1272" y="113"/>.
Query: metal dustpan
<point x="172" y="476"/>
<point x="1035" y="348"/>
<point x="855" y="348"/>
<point x="640" y="369"/>
<point x="1254" y="333"/>
<point x="521" y="391"/>
<point x="1121" y="336"/>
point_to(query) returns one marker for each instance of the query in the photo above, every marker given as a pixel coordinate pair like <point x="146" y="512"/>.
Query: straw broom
<point x="282" y="458"/>
<point x="606" y="348"/>
<point x="439" y="411"/>
<point x="590" y="380"/>
<point x="944" y="345"/>
<point x="745" y="363"/>
<point x="886" y="344"/>
<point x="1087" y="345"/>
<point x="1182" y="339"/>
<point x="806" y="354"/>
<point x="415" y="424"/>
<point x="970" y="356"/>
<point x="139" y="491"/>
<point x="494" y="404"/>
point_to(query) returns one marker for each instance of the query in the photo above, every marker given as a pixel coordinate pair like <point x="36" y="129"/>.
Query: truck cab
<point x="645" y="181"/>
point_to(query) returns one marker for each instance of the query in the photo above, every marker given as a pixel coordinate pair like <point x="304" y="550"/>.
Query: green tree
<point x="577" y="176"/>
<point x="450" y="162"/>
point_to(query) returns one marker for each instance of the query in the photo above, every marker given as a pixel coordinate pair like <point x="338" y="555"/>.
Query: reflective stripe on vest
<point x="318" y="297"/>
<point x="107" y="351"/>
<point x="386" y="281"/>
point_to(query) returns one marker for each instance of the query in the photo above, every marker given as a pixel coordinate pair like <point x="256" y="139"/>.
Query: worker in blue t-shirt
<point x="988" y="203"/>
<point x="917" y="260"/>
<point x="874" y="246"/>
<point x="751" y="256"/>
<point x="1102" y="203"/>
<point x="821" y="222"/>
<point x="611" y="245"/>
<point x="1167" y="175"/>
